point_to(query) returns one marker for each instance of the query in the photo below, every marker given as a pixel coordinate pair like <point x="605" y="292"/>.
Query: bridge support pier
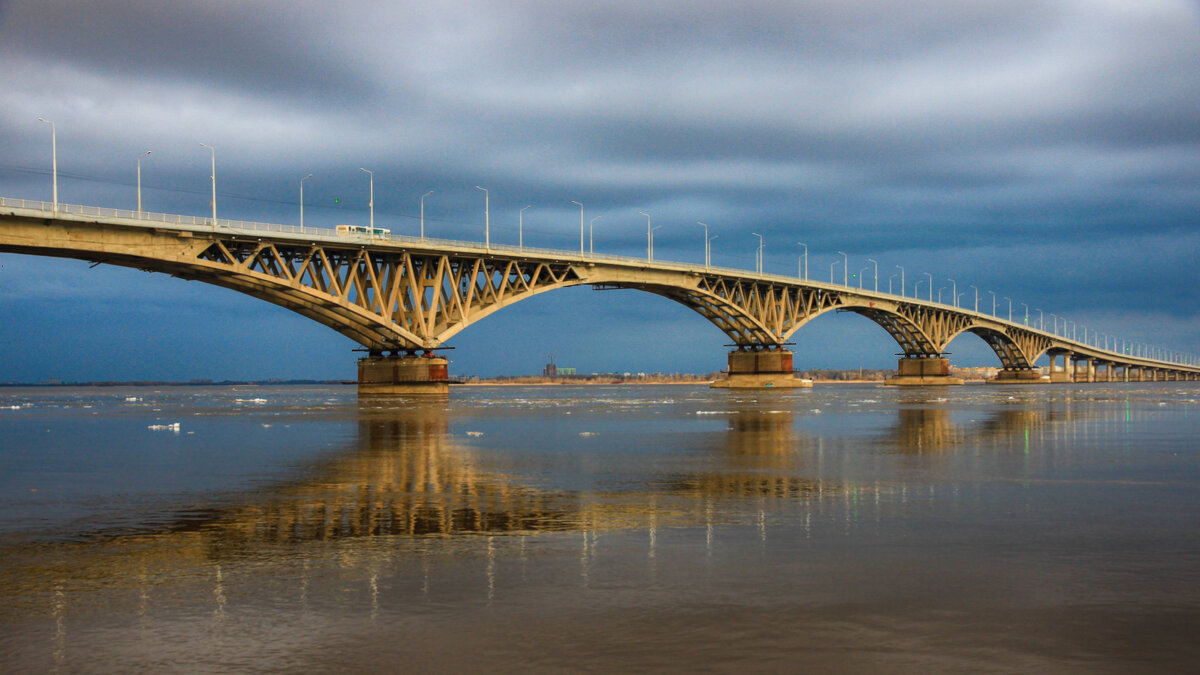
<point x="1060" y="374"/>
<point x="923" y="371"/>
<point x="1023" y="376"/>
<point x="769" y="368"/>
<point x="406" y="375"/>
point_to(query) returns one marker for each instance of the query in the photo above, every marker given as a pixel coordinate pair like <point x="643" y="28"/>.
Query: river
<point x="847" y="528"/>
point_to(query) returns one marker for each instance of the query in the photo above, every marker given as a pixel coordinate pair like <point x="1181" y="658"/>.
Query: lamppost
<point x="758" y="258"/>
<point x="54" y="163"/>
<point x="649" y="238"/>
<point x="875" y="263"/>
<point x="901" y="280"/>
<point x="917" y="289"/>
<point x="521" y="227"/>
<point x="831" y="266"/>
<point x="580" y="226"/>
<point x="860" y="277"/>
<point x="1041" y="322"/>
<point x="139" y="189"/>
<point x="1026" y="313"/>
<point x="706" y="256"/>
<point x="213" y="177"/>
<point x="370" y="197"/>
<point x="1054" y="320"/>
<point x="804" y="265"/>
<point x="976" y="297"/>
<point x="930" y="285"/>
<point x="423" y="213"/>
<point x="1009" y="308"/>
<point x="890" y="283"/>
<point x="940" y="294"/>
<point x="953" y="292"/>
<point x="591" y="239"/>
<point x="487" y="220"/>
<point x="993" y="294"/>
<point x="301" y="197"/>
<point x="845" y="269"/>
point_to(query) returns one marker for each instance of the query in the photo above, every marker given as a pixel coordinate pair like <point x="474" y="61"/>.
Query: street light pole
<point x="521" y="227"/>
<point x="1026" y="313"/>
<point x="54" y="162"/>
<point x="875" y="273"/>
<point x="953" y="292"/>
<point x="301" y="198"/>
<point x="993" y="293"/>
<point x="423" y="213"/>
<point x="1009" y="308"/>
<point x="370" y="197"/>
<point x="580" y="226"/>
<point x="758" y="259"/>
<point x="930" y="285"/>
<point x="649" y="238"/>
<point x="1041" y="322"/>
<point x="213" y="177"/>
<point x="706" y="255"/>
<point x="901" y="280"/>
<point x="976" y="297"/>
<point x="890" y="283"/>
<point x="845" y="269"/>
<point x="591" y="239"/>
<point x="804" y="266"/>
<point x="487" y="218"/>
<point x="139" y="189"/>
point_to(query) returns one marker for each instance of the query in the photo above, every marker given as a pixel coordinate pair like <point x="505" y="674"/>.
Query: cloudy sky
<point x="1048" y="151"/>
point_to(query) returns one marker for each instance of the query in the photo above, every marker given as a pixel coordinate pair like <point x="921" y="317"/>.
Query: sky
<point x="1046" y="151"/>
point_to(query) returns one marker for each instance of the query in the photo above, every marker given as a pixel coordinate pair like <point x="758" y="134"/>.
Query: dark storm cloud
<point x="1023" y="145"/>
<point x="250" y="46"/>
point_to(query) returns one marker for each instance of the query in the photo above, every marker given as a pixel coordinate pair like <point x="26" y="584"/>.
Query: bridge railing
<point x="134" y="217"/>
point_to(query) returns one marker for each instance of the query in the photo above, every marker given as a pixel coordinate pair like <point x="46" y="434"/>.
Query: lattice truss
<point x="382" y="299"/>
<point x="753" y="313"/>
<point x="1018" y="349"/>
<point x="923" y="331"/>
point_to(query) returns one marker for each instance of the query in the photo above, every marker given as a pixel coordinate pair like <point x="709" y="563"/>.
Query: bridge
<point x="403" y="297"/>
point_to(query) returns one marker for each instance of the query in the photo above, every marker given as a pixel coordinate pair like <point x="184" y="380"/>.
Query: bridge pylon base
<point x="761" y="369"/>
<point x="923" y="371"/>
<point x="403" y="375"/>
<point x="1020" y="377"/>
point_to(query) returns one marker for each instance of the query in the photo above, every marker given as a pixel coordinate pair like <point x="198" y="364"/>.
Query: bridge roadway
<point x="402" y="297"/>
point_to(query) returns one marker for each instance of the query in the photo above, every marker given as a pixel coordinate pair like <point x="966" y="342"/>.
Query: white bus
<point x="363" y="230"/>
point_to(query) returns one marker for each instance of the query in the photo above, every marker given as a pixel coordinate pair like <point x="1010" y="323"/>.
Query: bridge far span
<point x="403" y="297"/>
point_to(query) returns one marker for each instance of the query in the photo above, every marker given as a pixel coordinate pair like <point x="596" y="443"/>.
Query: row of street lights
<point x="1135" y="348"/>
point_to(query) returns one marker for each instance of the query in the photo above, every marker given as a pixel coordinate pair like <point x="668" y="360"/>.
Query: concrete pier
<point x="1026" y="376"/>
<point x="410" y="374"/>
<point x="760" y="369"/>
<point x="923" y="371"/>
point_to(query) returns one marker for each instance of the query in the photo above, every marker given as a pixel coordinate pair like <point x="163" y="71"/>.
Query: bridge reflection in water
<point x="408" y="477"/>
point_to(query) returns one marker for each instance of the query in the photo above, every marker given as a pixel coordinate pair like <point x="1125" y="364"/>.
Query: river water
<point x="847" y="528"/>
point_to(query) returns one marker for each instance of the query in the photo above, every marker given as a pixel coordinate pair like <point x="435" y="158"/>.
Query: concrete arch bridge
<point x="403" y="297"/>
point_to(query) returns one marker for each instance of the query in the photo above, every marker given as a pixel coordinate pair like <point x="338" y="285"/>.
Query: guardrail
<point x="150" y="219"/>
